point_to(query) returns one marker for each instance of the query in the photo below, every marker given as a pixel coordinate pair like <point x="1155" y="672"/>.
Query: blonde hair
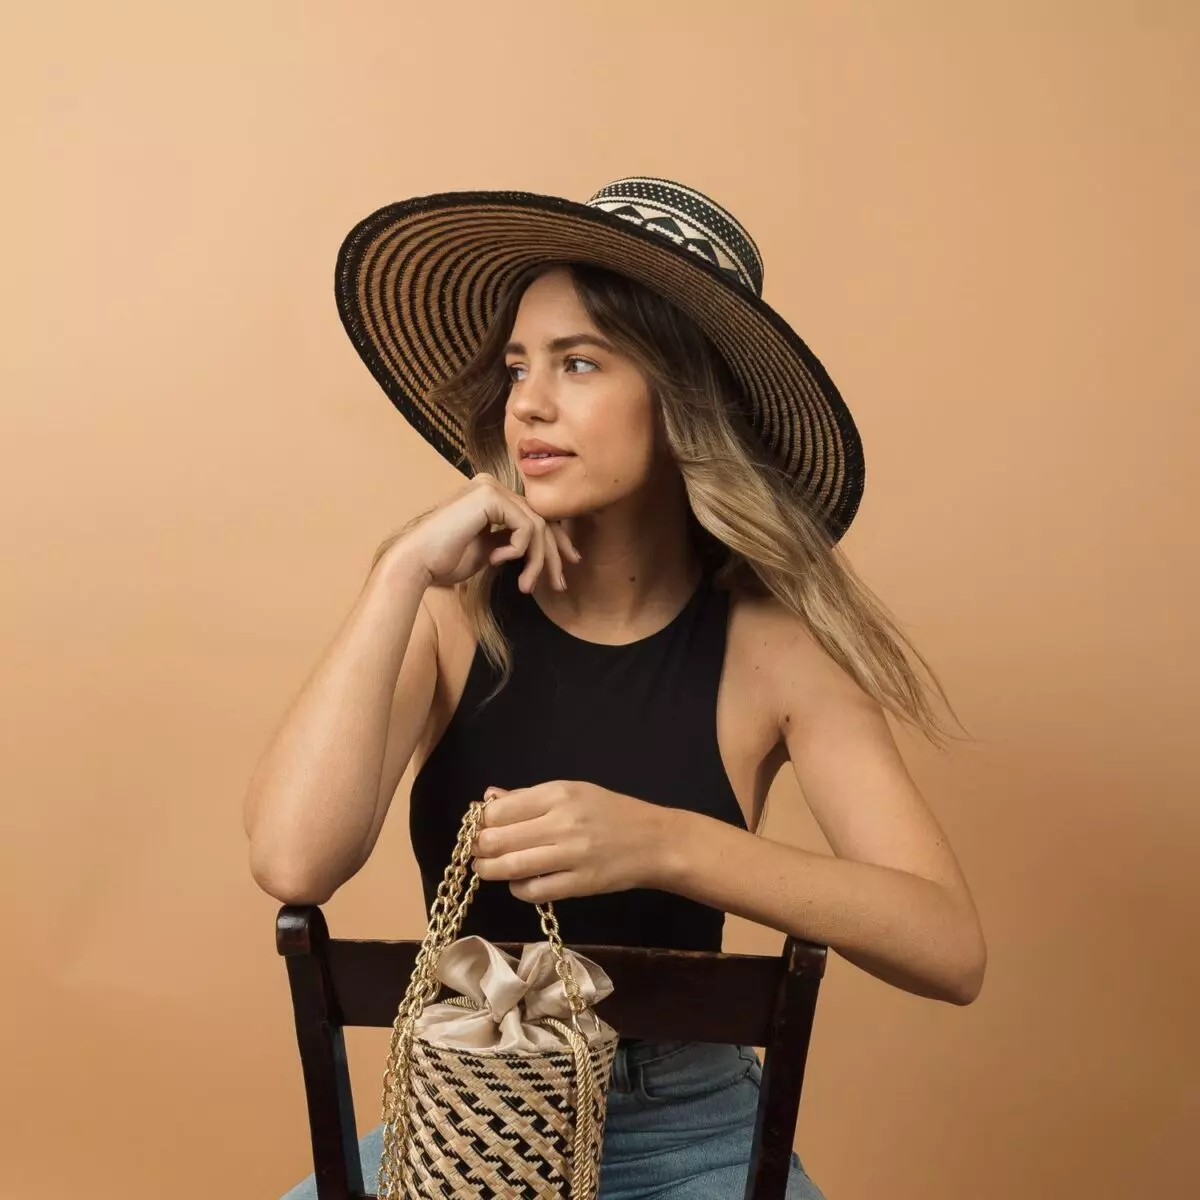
<point x="752" y="526"/>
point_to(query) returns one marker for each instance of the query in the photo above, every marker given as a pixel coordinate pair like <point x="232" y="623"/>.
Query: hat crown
<point x="689" y="219"/>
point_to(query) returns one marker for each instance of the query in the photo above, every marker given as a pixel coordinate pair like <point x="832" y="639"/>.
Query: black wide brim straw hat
<point x="418" y="282"/>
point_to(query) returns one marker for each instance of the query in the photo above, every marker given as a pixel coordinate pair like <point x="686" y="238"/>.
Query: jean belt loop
<point x="621" y="1081"/>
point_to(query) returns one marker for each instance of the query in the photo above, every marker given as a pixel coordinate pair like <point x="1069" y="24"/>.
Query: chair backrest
<point x="752" y="1000"/>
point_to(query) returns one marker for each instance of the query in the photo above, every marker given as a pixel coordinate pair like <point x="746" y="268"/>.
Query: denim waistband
<point x="678" y="1066"/>
<point x="641" y="1050"/>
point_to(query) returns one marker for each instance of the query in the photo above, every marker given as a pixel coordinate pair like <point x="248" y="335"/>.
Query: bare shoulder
<point x="794" y="672"/>
<point x="844" y="756"/>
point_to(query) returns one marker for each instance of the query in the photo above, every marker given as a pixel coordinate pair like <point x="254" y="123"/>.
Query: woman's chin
<point x="553" y="503"/>
<point x="553" y="510"/>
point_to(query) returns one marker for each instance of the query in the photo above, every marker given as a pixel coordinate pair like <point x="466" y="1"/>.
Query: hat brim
<point x="418" y="282"/>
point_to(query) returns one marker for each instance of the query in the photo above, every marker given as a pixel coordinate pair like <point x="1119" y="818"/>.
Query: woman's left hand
<point x="568" y="838"/>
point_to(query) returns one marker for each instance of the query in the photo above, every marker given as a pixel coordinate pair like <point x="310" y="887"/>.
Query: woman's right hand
<point x="452" y="542"/>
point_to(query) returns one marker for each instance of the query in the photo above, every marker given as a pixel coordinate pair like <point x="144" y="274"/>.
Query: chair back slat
<point x="302" y="936"/>
<point x="784" y="1062"/>
<point x="654" y="991"/>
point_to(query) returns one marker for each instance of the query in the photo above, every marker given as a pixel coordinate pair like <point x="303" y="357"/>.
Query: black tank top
<point x="640" y="719"/>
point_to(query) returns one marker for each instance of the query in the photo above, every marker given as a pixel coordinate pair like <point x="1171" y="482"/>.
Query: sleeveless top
<point x="639" y="719"/>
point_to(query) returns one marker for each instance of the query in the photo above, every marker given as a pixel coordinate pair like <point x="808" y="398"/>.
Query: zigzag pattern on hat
<point x="680" y="233"/>
<point x="689" y="219"/>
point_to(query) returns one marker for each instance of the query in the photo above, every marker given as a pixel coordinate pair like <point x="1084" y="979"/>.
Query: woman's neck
<point x="636" y="574"/>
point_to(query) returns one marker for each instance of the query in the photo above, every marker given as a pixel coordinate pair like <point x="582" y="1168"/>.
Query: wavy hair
<point x="751" y="525"/>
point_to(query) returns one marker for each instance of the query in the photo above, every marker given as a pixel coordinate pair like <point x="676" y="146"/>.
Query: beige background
<point x="981" y="216"/>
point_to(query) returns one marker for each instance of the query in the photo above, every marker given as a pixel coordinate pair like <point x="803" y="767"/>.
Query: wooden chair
<point x="747" y="999"/>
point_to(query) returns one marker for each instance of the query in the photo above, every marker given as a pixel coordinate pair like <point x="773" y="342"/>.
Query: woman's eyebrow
<point x="564" y="343"/>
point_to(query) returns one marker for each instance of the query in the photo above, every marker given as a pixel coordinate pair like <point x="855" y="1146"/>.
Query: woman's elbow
<point x="287" y="884"/>
<point x="970" y="981"/>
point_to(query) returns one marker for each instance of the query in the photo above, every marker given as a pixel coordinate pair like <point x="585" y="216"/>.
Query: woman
<point x="624" y="625"/>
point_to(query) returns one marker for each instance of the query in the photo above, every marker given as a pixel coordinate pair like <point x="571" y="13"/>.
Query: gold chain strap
<point x="454" y="895"/>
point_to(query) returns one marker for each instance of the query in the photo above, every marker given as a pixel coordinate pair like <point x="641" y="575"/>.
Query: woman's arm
<point x="573" y="838"/>
<point x="317" y="797"/>
<point x="892" y="899"/>
<point x="899" y="926"/>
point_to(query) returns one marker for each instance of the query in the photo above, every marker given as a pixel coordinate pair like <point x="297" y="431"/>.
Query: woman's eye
<point x="514" y="369"/>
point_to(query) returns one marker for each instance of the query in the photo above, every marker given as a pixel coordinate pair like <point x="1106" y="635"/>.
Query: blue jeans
<point x="679" y="1125"/>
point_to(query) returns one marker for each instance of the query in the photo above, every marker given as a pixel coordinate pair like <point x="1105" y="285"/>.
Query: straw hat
<point x="417" y="283"/>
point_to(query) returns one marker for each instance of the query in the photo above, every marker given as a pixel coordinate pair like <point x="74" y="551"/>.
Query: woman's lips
<point x="531" y="466"/>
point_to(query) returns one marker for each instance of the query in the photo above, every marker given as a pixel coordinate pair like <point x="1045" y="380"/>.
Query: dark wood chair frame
<point x="754" y="1000"/>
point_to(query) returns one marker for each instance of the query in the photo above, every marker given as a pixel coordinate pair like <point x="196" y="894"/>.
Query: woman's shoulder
<point x="772" y="641"/>
<point x="758" y="623"/>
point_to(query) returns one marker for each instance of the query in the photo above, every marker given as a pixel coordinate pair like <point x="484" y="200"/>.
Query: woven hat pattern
<point x="418" y="282"/>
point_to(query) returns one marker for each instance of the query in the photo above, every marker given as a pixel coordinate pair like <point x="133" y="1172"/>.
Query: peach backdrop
<point x="982" y="217"/>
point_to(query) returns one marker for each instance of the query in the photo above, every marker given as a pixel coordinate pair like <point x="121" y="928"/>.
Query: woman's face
<point x="571" y="391"/>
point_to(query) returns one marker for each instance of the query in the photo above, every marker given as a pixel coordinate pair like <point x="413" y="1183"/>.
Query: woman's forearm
<point x="906" y="930"/>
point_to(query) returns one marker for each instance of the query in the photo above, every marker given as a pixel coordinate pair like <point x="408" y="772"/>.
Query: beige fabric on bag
<point x="512" y="996"/>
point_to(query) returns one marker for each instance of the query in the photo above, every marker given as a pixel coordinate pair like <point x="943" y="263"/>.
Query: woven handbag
<point x="501" y="1090"/>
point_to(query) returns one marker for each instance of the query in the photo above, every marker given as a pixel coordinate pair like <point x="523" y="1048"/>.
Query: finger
<point x="565" y="545"/>
<point x="499" y="840"/>
<point x="535" y="547"/>
<point x="535" y="556"/>
<point x="522" y="537"/>
<point x="506" y="510"/>
<point x="521" y="804"/>
<point x="554" y="563"/>
<point x="530" y="538"/>
<point x="503" y="554"/>
<point x="491" y="794"/>
<point x="524" y="864"/>
<point x="512" y="544"/>
<point x="544" y="889"/>
<point x="497" y="538"/>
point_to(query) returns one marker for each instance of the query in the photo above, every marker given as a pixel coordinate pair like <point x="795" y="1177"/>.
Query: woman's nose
<point x="534" y="396"/>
